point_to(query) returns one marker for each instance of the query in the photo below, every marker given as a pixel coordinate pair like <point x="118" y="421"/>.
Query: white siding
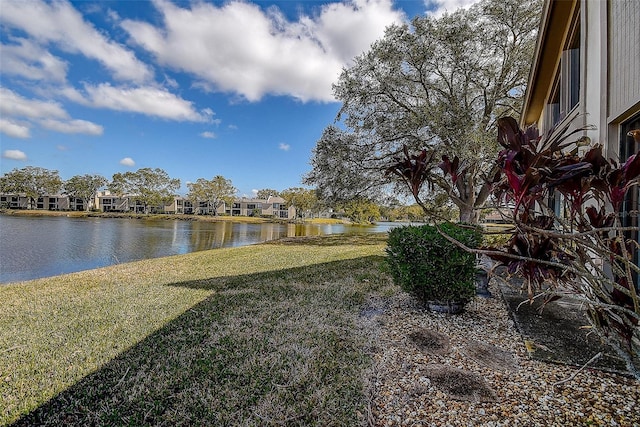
<point x="624" y="56"/>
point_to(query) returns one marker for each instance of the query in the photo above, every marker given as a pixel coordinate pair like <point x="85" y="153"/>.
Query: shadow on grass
<point x="334" y="239"/>
<point x="270" y="348"/>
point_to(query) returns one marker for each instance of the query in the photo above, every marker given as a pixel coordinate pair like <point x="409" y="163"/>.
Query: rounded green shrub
<point x="430" y="267"/>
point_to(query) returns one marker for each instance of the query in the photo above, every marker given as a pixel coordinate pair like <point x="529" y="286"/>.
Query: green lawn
<point x="263" y="334"/>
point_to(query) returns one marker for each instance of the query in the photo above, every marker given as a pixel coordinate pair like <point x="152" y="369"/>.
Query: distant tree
<point x="303" y="199"/>
<point x="151" y="187"/>
<point x="33" y="182"/>
<point x="361" y="211"/>
<point x="84" y="187"/>
<point x="414" y="213"/>
<point x="214" y="192"/>
<point x="438" y="84"/>
<point x="266" y="192"/>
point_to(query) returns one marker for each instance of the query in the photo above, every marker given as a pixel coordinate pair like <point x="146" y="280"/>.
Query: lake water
<point x="34" y="247"/>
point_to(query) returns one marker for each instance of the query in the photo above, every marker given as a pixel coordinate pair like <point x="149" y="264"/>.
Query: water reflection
<point x="47" y="246"/>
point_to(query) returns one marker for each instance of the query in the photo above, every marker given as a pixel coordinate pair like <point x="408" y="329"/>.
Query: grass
<point x="256" y="335"/>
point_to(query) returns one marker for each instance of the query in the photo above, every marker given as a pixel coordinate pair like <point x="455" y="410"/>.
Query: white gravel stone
<point x="526" y="397"/>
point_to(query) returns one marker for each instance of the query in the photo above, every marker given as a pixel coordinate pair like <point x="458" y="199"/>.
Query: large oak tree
<point x="437" y="84"/>
<point x="151" y="187"/>
<point x="84" y="187"/>
<point x="265" y="193"/>
<point x="302" y="199"/>
<point x="213" y="193"/>
<point x="33" y="182"/>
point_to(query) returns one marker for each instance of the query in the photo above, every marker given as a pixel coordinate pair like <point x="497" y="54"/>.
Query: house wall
<point x="623" y="88"/>
<point x="14" y="201"/>
<point x="609" y="95"/>
<point x="609" y="67"/>
<point x="624" y="56"/>
<point x="594" y="70"/>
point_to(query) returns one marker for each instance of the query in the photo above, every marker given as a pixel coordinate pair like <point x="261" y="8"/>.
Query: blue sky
<point x="201" y="88"/>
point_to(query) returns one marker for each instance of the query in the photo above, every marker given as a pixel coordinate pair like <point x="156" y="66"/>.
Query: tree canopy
<point x="361" y="210"/>
<point x="438" y="84"/>
<point x="266" y="192"/>
<point x="151" y="187"/>
<point x="303" y="199"/>
<point x="213" y="192"/>
<point x="84" y="187"/>
<point x="32" y="181"/>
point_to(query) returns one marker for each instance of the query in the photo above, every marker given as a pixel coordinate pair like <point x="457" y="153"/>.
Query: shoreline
<point x="173" y="217"/>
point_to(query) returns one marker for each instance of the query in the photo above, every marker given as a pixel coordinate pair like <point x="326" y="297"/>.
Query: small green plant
<point x="427" y="265"/>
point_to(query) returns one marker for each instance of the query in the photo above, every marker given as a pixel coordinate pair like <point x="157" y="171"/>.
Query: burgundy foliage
<point x="584" y="250"/>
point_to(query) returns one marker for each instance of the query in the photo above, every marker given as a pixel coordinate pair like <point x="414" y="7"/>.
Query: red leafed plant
<point x="584" y="250"/>
<point x="578" y="247"/>
<point x="414" y="170"/>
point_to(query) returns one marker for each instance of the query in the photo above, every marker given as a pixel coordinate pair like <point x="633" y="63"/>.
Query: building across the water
<point x="104" y="201"/>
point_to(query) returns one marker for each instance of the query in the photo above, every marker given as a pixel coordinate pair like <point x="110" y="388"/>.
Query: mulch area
<point x="474" y="369"/>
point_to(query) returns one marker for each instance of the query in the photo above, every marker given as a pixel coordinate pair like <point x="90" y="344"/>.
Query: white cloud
<point x="12" y="104"/>
<point x="59" y="23"/>
<point x="207" y="134"/>
<point x="113" y="15"/>
<point x="48" y="114"/>
<point x="284" y="147"/>
<point x="438" y="8"/>
<point x="13" y="129"/>
<point x="72" y="126"/>
<point x="14" y="155"/>
<point x="62" y="147"/>
<point x="127" y="161"/>
<point x="348" y="29"/>
<point x="239" y="48"/>
<point x="27" y="59"/>
<point x="148" y="100"/>
<point x="169" y="82"/>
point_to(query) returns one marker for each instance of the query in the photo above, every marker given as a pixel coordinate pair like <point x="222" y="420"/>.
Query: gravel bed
<point x="468" y="384"/>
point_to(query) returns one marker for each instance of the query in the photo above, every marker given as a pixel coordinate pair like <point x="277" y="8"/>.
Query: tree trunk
<point x="469" y="215"/>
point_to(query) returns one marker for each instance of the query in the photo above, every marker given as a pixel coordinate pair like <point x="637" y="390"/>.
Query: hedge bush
<point x="425" y="264"/>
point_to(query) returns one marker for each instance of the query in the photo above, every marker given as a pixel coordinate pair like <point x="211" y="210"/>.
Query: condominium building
<point x="59" y="202"/>
<point x="104" y="201"/>
<point x="273" y="207"/>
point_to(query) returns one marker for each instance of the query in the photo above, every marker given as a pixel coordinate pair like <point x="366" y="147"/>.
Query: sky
<point x="196" y="88"/>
